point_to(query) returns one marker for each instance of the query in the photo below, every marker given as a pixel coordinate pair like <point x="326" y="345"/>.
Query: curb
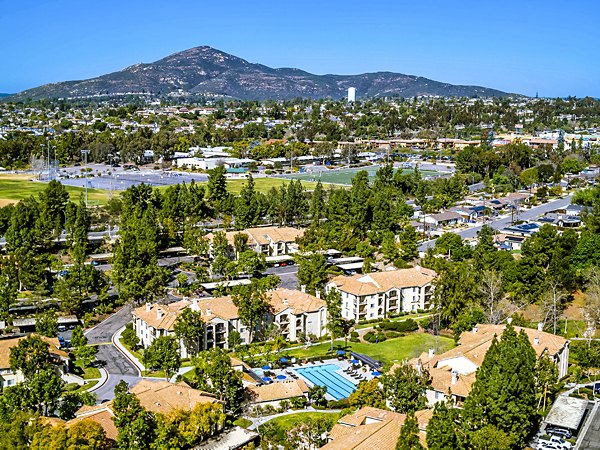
<point x="102" y="382"/>
<point x="115" y="341"/>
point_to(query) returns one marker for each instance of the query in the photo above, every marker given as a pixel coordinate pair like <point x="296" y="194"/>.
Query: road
<point x="503" y="222"/>
<point x="288" y="275"/>
<point x="118" y="366"/>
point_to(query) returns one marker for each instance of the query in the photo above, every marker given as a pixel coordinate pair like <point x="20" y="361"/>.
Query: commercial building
<point x="296" y="313"/>
<point x="379" y="294"/>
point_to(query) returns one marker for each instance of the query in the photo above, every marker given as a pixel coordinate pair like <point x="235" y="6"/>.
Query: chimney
<point x="285" y="301"/>
<point x="454" y="376"/>
<point x="419" y="366"/>
<point x="536" y="341"/>
<point x="318" y="293"/>
<point x="509" y="320"/>
<point x="303" y="288"/>
<point x="418" y="268"/>
<point x="159" y="313"/>
<point x="475" y="329"/>
<point x="431" y="352"/>
<point x="195" y="304"/>
<point x="208" y="312"/>
<point x="540" y="326"/>
<point x="148" y="307"/>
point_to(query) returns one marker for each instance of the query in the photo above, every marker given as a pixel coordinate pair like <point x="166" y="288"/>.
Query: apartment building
<point x="59" y="359"/>
<point x="377" y="295"/>
<point x="270" y="241"/>
<point x="454" y="371"/>
<point x="297" y="314"/>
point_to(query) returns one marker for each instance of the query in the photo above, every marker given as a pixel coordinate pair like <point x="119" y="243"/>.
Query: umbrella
<point x="354" y="361"/>
<point x="284" y="360"/>
<point x="265" y="367"/>
<point x="266" y="379"/>
<point x="341" y="352"/>
<point x="281" y="377"/>
<point x="376" y="373"/>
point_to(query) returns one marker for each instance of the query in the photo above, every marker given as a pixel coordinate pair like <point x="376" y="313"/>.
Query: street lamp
<point x="85" y="153"/>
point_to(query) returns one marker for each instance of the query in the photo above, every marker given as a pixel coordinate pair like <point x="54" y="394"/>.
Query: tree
<point x="87" y="435"/>
<point x="213" y="373"/>
<point x="78" y="338"/>
<point x="503" y="395"/>
<point x="444" y="429"/>
<point x="316" y="395"/>
<point x="129" y="337"/>
<point x="491" y="289"/>
<point x="247" y="210"/>
<point x="546" y="377"/>
<point x="312" y="271"/>
<point x="86" y="354"/>
<point x="553" y="302"/>
<point x="405" y="387"/>
<point x="46" y="324"/>
<point x="368" y="393"/>
<point x="135" y="425"/>
<point x="163" y="354"/>
<point x="409" y="435"/>
<point x="217" y="188"/>
<point x="249" y="262"/>
<point x="317" y="204"/>
<point x="490" y="437"/>
<point x="70" y="403"/>
<point x="30" y="356"/>
<point x="455" y="290"/>
<point x="253" y="306"/>
<point x="333" y="299"/>
<point x="189" y="327"/>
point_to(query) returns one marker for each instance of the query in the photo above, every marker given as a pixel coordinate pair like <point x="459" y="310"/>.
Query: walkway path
<point x="258" y="421"/>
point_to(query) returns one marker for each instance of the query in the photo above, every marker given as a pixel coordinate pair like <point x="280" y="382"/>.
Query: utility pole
<point x="85" y="153"/>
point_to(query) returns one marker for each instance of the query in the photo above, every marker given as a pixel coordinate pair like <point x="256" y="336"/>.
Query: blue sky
<point x="527" y="46"/>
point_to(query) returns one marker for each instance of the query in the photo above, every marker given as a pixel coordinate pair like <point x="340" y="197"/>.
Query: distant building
<point x="379" y="294"/>
<point x="351" y="95"/>
<point x="271" y="241"/>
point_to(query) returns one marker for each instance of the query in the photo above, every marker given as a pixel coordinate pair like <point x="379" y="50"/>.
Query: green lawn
<point x="264" y="184"/>
<point x="242" y="422"/>
<point x="87" y="386"/>
<point x="14" y="187"/>
<point x="389" y="351"/>
<point x="88" y="373"/>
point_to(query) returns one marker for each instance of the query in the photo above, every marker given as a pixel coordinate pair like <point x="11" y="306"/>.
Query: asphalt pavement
<point x="503" y="222"/>
<point x="117" y="365"/>
<point x="288" y="275"/>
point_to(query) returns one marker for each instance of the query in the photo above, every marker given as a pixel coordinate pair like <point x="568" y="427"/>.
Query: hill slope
<point x="207" y="71"/>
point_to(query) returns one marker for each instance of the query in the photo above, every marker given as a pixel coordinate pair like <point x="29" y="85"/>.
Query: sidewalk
<point x="117" y="343"/>
<point x="103" y="379"/>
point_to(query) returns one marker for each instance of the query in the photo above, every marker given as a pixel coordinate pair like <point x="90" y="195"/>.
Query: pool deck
<point x="342" y="365"/>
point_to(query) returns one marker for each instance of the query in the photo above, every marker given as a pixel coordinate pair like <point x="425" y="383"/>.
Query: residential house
<point x="453" y="372"/>
<point x="271" y="241"/>
<point x="154" y="395"/>
<point x="273" y="393"/>
<point x="372" y="428"/>
<point x="59" y="360"/>
<point x="443" y="219"/>
<point x="379" y="294"/>
<point x="297" y="314"/>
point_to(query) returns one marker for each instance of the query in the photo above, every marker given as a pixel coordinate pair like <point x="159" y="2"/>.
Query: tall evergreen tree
<point x="444" y="430"/>
<point x="409" y="435"/>
<point x="503" y="394"/>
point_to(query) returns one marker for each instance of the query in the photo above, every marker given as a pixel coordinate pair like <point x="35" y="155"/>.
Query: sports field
<point x="344" y="176"/>
<point x="15" y="187"/>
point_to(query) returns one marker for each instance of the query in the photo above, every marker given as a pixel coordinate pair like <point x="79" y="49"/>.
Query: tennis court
<point x="344" y="176"/>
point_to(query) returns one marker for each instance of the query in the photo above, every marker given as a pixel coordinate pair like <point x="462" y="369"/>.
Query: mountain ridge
<point x="210" y="72"/>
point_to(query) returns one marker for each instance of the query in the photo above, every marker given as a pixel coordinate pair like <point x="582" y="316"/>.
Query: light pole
<point x="85" y="153"/>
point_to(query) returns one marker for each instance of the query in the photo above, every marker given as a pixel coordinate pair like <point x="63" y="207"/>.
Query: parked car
<point x="597" y="389"/>
<point x="560" y="432"/>
<point x="61" y="328"/>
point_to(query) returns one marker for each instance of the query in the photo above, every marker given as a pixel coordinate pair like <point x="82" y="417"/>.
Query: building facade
<point x="380" y="294"/>
<point x="297" y="314"/>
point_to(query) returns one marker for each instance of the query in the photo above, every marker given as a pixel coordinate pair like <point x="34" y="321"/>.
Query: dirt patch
<point x="5" y="201"/>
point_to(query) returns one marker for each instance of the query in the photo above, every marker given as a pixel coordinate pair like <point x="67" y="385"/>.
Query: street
<point x="116" y="364"/>
<point x="503" y="222"/>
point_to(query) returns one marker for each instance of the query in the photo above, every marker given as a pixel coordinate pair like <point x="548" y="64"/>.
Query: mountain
<point x="207" y="71"/>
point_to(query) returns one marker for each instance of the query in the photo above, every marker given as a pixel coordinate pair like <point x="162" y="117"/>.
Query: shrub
<point x="337" y="404"/>
<point x="404" y="326"/>
<point x="298" y="402"/>
<point x="369" y="336"/>
<point x="354" y="334"/>
<point x="381" y="337"/>
<point x="393" y="334"/>
<point x="425" y="323"/>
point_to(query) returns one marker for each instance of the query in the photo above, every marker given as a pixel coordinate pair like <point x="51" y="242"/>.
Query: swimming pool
<point x="325" y="375"/>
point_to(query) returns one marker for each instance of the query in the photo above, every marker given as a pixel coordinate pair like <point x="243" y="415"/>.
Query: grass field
<point x="388" y="351"/>
<point x="15" y="187"/>
<point x="277" y="428"/>
<point x="264" y="184"/>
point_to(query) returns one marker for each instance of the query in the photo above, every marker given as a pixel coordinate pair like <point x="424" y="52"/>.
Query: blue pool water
<point x="337" y="386"/>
